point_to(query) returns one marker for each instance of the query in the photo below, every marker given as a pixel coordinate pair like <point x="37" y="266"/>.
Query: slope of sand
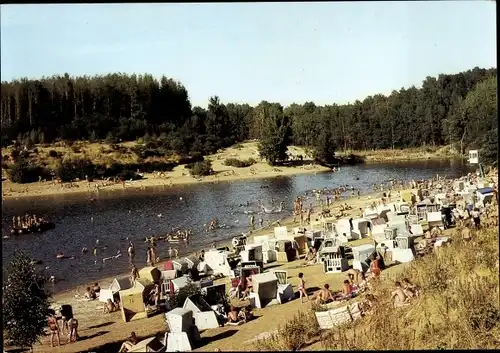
<point x="98" y="329"/>
<point x="180" y="175"/>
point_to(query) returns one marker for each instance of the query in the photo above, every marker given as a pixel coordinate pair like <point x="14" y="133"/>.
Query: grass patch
<point x="292" y="335"/>
<point x="239" y="163"/>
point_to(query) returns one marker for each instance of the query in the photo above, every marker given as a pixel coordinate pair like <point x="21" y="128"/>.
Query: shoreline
<point x="180" y="176"/>
<point x="150" y="181"/>
<point x="354" y="202"/>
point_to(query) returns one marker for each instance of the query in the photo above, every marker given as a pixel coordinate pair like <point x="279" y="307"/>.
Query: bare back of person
<point x="399" y="297"/>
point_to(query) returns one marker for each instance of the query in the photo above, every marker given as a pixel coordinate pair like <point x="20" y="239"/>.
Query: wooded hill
<point x="458" y="109"/>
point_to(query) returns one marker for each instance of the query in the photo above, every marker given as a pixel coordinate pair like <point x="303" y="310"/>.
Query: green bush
<point x="238" y="163"/>
<point x="23" y="172"/>
<point x="128" y="175"/>
<point x="72" y="169"/>
<point x="201" y="168"/>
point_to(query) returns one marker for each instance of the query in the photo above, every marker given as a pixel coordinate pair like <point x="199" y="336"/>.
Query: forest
<point x="457" y="109"/>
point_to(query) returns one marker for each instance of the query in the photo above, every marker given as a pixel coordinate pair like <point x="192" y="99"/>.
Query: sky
<point x="248" y="52"/>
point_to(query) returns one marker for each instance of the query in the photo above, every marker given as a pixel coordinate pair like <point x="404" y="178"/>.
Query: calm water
<point x="134" y="214"/>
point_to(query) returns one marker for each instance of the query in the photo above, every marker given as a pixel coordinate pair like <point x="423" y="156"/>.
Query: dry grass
<point x="458" y="307"/>
<point x="457" y="310"/>
<point x="406" y="154"/>
<point x="293" y="335"/>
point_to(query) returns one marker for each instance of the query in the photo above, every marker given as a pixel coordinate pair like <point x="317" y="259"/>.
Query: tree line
<point x="458" y="109"/>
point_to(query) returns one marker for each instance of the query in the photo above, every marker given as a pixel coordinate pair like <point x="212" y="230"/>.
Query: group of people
<point x="69" y="325"/>
<point x="403" y="293"/>
<point x="355" y="283"/>
<point x="93" y="292"/>
<point x="27" y="223"/>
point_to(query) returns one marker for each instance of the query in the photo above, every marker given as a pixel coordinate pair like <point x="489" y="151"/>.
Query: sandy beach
<point x="99" y="329"/>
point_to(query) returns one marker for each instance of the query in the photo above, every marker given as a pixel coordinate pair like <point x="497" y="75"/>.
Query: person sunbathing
<point x="232" y="317"/>
<point x="354" y="275"/>
<point x="347" y="289"/>
<point x="311" y="257"/>
<point x="368" y="304"/>
<point x="435" y="232"/>
<point x="245" y="314"/>
<point x="90" y="294"/>
<point x="324" y="295"/>
<point x="410" y="289"/>
<point x="110" y="307"/>
<point x="398" y="296"/>
<point x="129" y="343"/>
<point x="96" y="288"/>
<point x="249" y="286"/>
<point x="374" y="266"/>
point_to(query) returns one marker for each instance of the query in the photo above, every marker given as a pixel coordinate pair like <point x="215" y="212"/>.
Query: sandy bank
<point x="179" y="175"/>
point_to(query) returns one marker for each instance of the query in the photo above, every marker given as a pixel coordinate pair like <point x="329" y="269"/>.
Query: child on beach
<point x="302" y="287"/>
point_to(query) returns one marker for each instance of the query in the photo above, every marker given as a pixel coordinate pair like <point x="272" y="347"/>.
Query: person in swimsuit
<point x="129" y="343"/>
<point x="410" y="289"/>
<point x="374" y="267"/>
<point x="324" y="295"/>
<point x="398" y="296"/>
<point x="302" y="287"/>
<point x="90" y="294"/>
<point x="149" y="259"/>
<point x="134" y="274"/>
<point x="109" y="307"/>
<point x="131" y="251"/>
<point x="54" y="330"/>
<point x="354" y="275"/>
<point x="73" y="330"/>
<point x="232" y="317"/>
<point x="248" y="287"/>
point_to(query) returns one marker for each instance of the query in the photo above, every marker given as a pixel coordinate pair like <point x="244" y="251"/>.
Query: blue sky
<point x="247" y="52"/>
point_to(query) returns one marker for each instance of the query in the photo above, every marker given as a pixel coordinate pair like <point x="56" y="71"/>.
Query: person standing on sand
<point x="73" y="330"/>
<point x="170" y="253"/>
<point x="252" y="222"/>
<point x="54" y="330"/>
<point x="302" y="287"/>
<point x="309" y="211"/>
<point x="261" y="222"/>
<point x="134" y="274"/>
<point x="374" y="267"/>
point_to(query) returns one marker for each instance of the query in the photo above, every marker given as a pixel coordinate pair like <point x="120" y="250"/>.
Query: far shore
<point x="180" y="175"/>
